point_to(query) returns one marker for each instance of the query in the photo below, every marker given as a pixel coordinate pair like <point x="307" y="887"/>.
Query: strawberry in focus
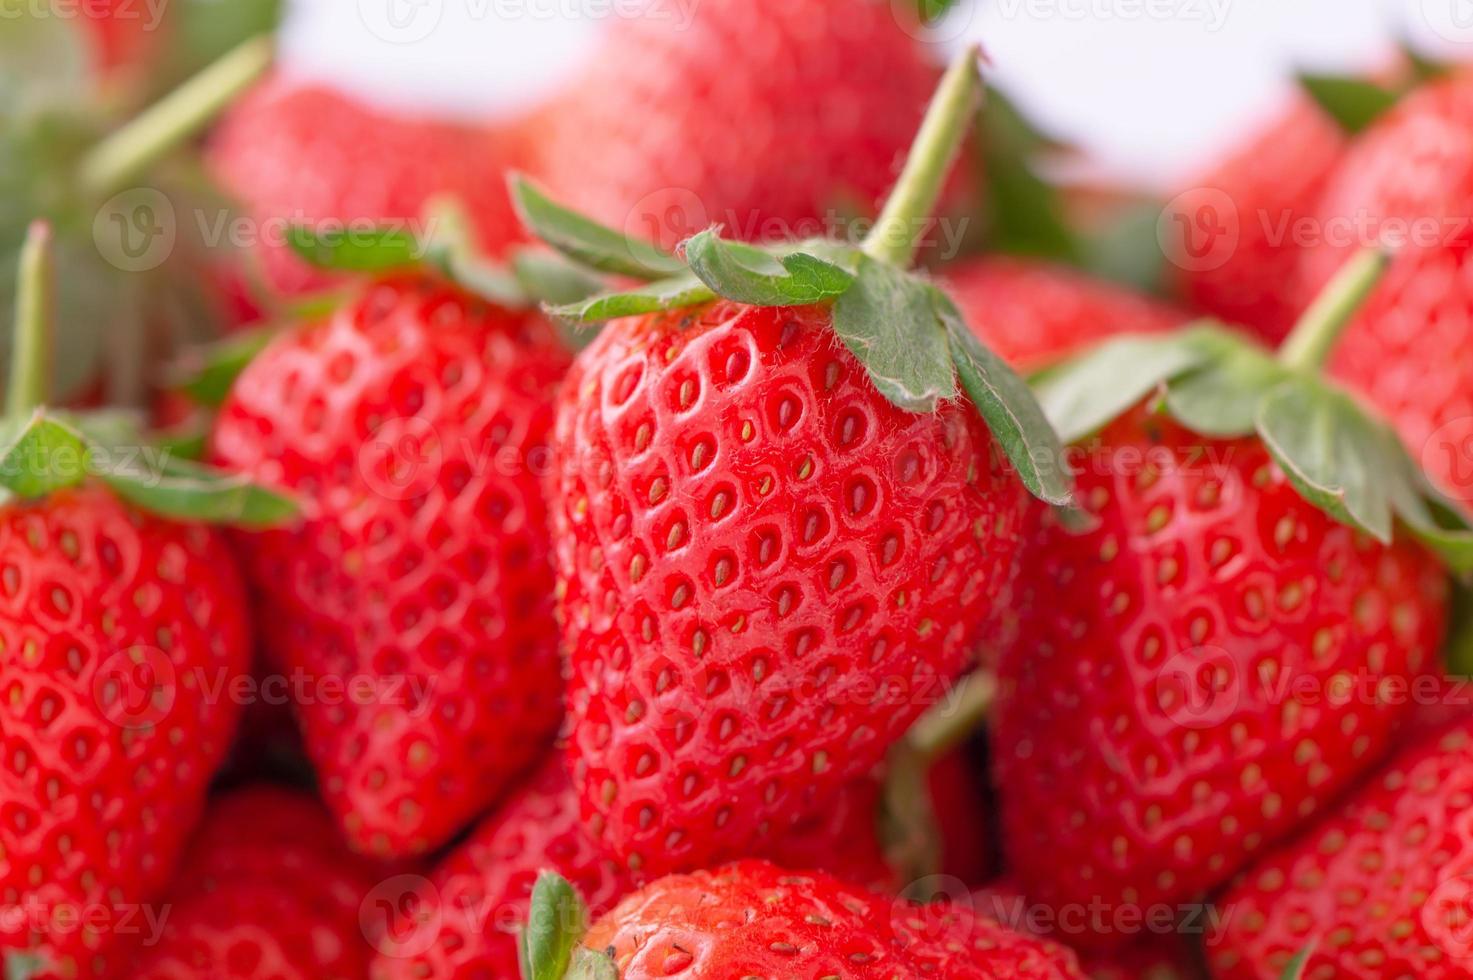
<point x="413" y="421"/>
<point x="782" y="525"/>
<point x="266" y="890"/>
<point x="669" y="127"/>
<point x="1201" y="657"/>
<point x="754" y="919"/>
<point x="1380" y="888"/>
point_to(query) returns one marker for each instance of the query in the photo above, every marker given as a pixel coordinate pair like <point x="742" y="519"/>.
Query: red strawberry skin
<point x="1410" y="177"/>
<point x="671" y="126"/>
<point x="1233" y="241"/>
<point x="413" y="424"/>
<point x="123" y="33"/>
<point x="1381" y="887"/>
<point x="1169" y="706"/>
<point x="306" y="154"/>
<point x="754" y="919"/>
<point x="115" y="629"/>
<point x="768" y="570"/>
<point x="267" y="890"/>
<point x="1034" y="313"/>
<point x="537" y="828"/>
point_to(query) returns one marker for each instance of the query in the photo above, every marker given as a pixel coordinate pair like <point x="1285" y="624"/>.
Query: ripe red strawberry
<point x="1409" y="180"/>
<point x="121" y="634"/>
<point x="126" y="34"/>
<point x="413" y="421"/>
<point x="755" y="919"/>
<point x="769" y="567"/>
<point x="1200" y="664"/>
<point x="1234" y="238"/>
<point x="1379" y="889"/>
<point x="670" y="127"/>
<point x="266" y="890"/>
<point x="1034" y="312"/>
<point x="295" y="154"/>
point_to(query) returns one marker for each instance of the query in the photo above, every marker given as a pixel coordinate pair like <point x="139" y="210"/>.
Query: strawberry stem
<point x="896" y="235"/>
<point x="30" y="353"/>
<point x="948" y="724"/>
<point x="1314" y="337"/>
<point x="127" y="153"/>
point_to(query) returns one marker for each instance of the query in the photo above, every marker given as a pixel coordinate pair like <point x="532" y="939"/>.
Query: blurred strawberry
<point x="1034" y="312"/>
<point x="1233" y="234"/>
<point x="771" y="117"/>
<point x="127" y="35"/>
<point x="266" y="889"/>
<point x="1408" y="183"/>
<point x="306" y="154"/>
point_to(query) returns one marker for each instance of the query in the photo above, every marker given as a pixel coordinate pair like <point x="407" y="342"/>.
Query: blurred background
<point x="1152" y="89"/>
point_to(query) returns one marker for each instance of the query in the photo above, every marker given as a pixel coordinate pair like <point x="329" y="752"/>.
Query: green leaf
<point x="930" y="11"/>
<point x="1352" y="102"/>
<point x="206" y="374"/>
<point x="888" y="321"/>
<point x="43" y="455"/>
<point x="185" y="490"/>
<point x="549" y="279"/>
<point x="1459" y="655"/>
<point x="450" y="247"/>
<point x="1025" y="213"/>
<point x="1331" y="453"/>
<point x="1016" y="419"/>
<point x="1084" y="395"/>
<point x="587" y="242"/>
<point x="750" y="275"/>
<point x="1427" y="514"/>
<point x="1296" y="966"/>
<point x="356" y="250"/>
<point x="676" y="293"/>
<point x="1128" y="249"/>
<point x="1221" y="399"/>
<point x="556" y="923"/>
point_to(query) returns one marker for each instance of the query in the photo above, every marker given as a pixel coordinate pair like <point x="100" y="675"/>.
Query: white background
<point x="1150" y="87"/>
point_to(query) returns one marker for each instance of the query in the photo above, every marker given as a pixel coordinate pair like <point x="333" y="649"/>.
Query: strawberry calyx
<point x="1298" y="964"/>
<point x="912" y="340"/>
<point x="1340" y="456"/>
<point x="43" y="450"/>
<point x="24" y="966"/>
<point x="550" y="946"/>
<point x="1355" y="103"/>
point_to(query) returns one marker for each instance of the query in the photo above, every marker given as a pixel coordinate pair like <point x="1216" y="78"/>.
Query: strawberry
<point x="414" y="419"/>
<point x="1034" y="312"/>
<point x="120" y="628"/>
<point x="671" y="127"/>
<point x="1377" y="889"/>
<point x="1203" y="656"/>
<point x="1409" y="181"/>
<point x="1232" y="231"/>
<point x="266" y="890"/>
<point x="753" y="919"/>
<point x="125" y="34"/>
<point x="307" y="154"/>
<point x="780" y="528"/>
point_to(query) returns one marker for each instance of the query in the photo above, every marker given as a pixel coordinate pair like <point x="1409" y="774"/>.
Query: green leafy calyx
<point x="550" y="946"/>
<point x="1340" y="456"/>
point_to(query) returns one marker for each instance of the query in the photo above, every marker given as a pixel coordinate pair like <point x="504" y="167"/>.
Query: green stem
<point x="896" y="235"/>
<point x="948" y="724"/>
<point x="30" y="352"/>
<point x="1314" y="337"/>
<point x="127" y="153"/>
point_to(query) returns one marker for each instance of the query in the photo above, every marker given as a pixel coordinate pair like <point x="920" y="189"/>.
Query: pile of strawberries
<point x="726" y="524"/>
